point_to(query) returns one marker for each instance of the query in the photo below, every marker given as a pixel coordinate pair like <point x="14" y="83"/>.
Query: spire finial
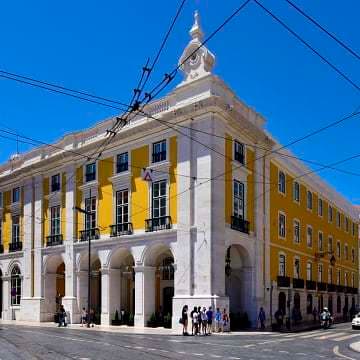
<point x="196" y="32"/>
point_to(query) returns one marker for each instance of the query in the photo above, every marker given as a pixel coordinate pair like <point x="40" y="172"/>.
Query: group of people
<point x="61" y="317"/>
<point x="204" y="321"/>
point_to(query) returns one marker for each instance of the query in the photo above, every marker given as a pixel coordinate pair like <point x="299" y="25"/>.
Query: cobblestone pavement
<point x="25" y="342"/>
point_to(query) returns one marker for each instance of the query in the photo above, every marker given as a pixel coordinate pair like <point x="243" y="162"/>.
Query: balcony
<point x="1" y="248"/>
<point x="156" y="224"/>
<point x="15" y="246"/>
<point x="355" y="291"/>
<point x="321" y="286"/>
<point x="339" y="288"/>
<point x="348" y="289"/>
<point x="92" y="234"/>
<point x="311" y="285"/>
<point x="121" y="229"/>
<point x="283" y="281"/>
<point x="239" y="224"/>
<point x="331" y="287"/>
<point x="298" y="283"/>
<point x="54" y="240"/>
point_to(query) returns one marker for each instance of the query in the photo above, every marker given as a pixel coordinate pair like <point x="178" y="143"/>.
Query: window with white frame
<point x="353" y="255"/>
<point x="122" y="207"/>
<point x="320" y="207"/>
<point x="282" y="225"/>
<point x="16" y="195"/>
<point x="330" y="244"/>
<point x="320" y="272"/>
<point x="338" y="249"/>
<point x="338" y="219"/>
<point x="296" y="191"/>
<point x="55" y="220"/>
<point x="122" y="162"/>
<point x="159" y="199"/>
<point x="346" y="252"/>
<point x="159" y="151"/>
<point x="90" y="216"/>
<point x="352" y="280"/>
<point x="15" y="229"/>
<point x="320" y="241"/>
<point x="296" y="231"/>
<point x="282" y="265"/>
<point x="346" y="280"/>
<point x="239" y="152"/>
<point x="309" y="202"/>
<point x="308" y="271"/>
<point x="282" y="182"/>
<point x="297" y="268"/>
<point x="15" y="286"/>
<point x="330" y="214"/>
<point x="346" y="224"/>
<point x="309" y="236"/>
<point x="330" y="275"/>
<point x="239" y="199"/>
<point x="55" y="183"/>
<point x="338" y="277"/>
<point x="90" y="172"/>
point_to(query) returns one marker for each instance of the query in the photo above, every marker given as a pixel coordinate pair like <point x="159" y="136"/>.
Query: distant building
<point x="205" y="212"/>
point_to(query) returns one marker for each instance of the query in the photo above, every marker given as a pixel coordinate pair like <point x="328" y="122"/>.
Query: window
<point x="338" y="277"/>
<point x="309" y="302"/>
<point x="159" y="199"/>
<point x="338" y="219"/>
<point x="122" y="207"/>
<point x="330" y="244"/>
<point x="296" y="231"/>
<point x="159" y="151"/>
<point x="239" y="152"/>
<point x="55" y="220"/>
<point x="338" y="304"/>
<point x="346" y="252"/>
<point x="239" y="199"/>
<point x="282" y="182"/>
<point x="55" y="183"/>
<point x="122" y="162"/>
<point x="320" y="207"/>
<point x="320" y="241"/>
<point x="282" y="265"/>
<point x="16" y="195"/>
<point x="353" y="227"/>
<point x="330" y="214"/>
<point x="338" y="249"/>
<point x="282" y="225"/>
<point x="308" y="271"/>
<point x="1" y="200"/>
<point x="346" y="279"/>
<point x="296" y="191"/>
<point x="309" y="200"/>
<point x="1" y="230"/>
<point x="320" y="273"/>
<point x="352" y="252"/>
<point x="330" y="275"/>
<point x="309" y="236"/>
<point x="15" y="229"/>
<point x="15" y="286"/>
<point x="297" y="268"/>
<point x="352" y="280"/>
<point x="90" y="217"/>
<point x="90" y="172"/>
<point x="347" y="224"/>
<point x="168" y="269"/>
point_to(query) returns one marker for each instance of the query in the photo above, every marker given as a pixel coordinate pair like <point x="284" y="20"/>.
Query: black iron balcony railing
<point x="239" y="224"/>
<point x="15" y="246"/>
<point x="156" y="224"/>
<point x="54" y="240"/>
<point x="298" y="283"/>
<point x="159" y="156"/>
<point x="92" y="234"/>
<point x="311" y="284"/>
<point x="121" y="229"/>
<point x="331" y="287"/>
<point x="339" y="288"/>
<point x="283" y="281"/>
<point x="355" y="290"/>
<point x="322" y="286"/>
<point x="348" y="289"/>
<point x="1" y="248"/>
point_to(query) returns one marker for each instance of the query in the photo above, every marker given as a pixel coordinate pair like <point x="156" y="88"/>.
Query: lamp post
<point x="83" y="211"/>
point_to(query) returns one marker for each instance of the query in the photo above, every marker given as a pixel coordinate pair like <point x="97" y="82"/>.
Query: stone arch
<point x="151" y="253"/>
<point x="51" y="263"/>
<point x="82" y="260"/>
<point x="12" y="264"/>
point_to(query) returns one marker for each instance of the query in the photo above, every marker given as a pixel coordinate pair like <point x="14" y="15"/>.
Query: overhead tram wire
<point x="318" y="25"/>
<point x="316" y="52"/>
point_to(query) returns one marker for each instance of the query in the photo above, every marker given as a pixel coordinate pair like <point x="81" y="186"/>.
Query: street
<point x="25" y="342"/>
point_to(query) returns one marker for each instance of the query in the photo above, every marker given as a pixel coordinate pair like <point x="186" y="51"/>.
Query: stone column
<point x="82" y="288"/>
<point x="105" y="297"/>
<point x="115" y="281"/>
<point x="6" y="311"/>
<point x="144" y="294"/>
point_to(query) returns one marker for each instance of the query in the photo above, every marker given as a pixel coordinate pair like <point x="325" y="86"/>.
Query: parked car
<point x="356" y="322"/>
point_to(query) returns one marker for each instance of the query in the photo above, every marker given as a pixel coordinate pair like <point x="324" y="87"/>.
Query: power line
<point x="297" y="36"/>
<point x="317" y="24"/>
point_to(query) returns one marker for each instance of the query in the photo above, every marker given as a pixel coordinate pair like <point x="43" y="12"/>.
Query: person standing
<point x="199" y="319"/>
<point x="192" y="320"/>
<point x="184" y="319"/>
<point x="209" y="315"/>
<point x="225" y="320"/>
<point x="315" y="314"/>
<point x="92" y="317"/>
<point x="196" y="316"/>
<point x="83" y="316"/>
<point x="262" y="318"/>
<point x="218" y="320"/>
<point x="204" y="321"/>
<point x="62" y="316"/>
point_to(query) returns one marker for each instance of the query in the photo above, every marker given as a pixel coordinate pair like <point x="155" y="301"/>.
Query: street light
<point x="83" y="211"/>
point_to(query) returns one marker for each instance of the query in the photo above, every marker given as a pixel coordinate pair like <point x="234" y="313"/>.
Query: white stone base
<point x="33" y="309"/>
<point x="72" y="309"/>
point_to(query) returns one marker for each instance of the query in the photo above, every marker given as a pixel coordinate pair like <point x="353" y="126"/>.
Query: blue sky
<point x="100" y="47"/>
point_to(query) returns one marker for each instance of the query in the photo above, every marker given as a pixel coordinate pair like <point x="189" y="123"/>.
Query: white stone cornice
<point x="15" y="208"/>
<point x="121" y="180"/>
<point x="92" y="185"/>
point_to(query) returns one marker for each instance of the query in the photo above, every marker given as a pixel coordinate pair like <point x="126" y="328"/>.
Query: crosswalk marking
<point x="314" y="333"/>
<point x="328" y="336"/>
<point x="346" y="337"/>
